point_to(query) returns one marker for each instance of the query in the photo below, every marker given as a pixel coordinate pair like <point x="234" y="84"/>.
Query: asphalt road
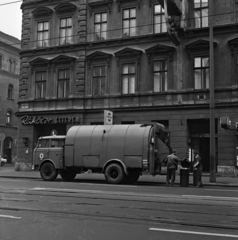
<point x="34" y="209"/>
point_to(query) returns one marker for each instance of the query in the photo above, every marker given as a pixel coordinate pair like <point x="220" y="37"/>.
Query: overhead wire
<point x="116" y="29"/>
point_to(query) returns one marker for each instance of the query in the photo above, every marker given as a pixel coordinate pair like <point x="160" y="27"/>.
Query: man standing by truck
<point x="172" y="165"/>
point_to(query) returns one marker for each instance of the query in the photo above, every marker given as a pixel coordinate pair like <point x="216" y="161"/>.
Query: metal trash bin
<point x="184" y="177"/>
<point x="195" y="178"/>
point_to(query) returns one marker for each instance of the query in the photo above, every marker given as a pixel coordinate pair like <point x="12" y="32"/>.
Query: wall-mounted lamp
<point x="25" y="141"/>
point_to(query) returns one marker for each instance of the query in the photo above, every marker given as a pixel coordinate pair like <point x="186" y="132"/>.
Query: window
<point x="201" y="13"/>
<point x="160" y="76"/>
<point x="201" y="72"/>
<point x="128" y="78"/>
<point x="159" y="19"/>
<point x="10" y="91"/>
<point x="65" y="31"/>
<point x="99" y="77"/>
<point x="43" y="143"/>
<point x="40" y="85"/>
<point x="63" y="83"/>
<point x="1" y="62"/>
<point x="43" y="34"/>
<point x="100" y="26"/>
<point x="9" y="118"/>
<point x="129" y="22"/>
<point x="12" y="66"/>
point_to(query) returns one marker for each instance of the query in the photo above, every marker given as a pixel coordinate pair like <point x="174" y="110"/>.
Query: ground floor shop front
<point x="189" y="130"/>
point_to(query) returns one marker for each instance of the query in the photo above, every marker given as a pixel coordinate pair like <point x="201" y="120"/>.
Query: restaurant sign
<point x="30" y="120"/>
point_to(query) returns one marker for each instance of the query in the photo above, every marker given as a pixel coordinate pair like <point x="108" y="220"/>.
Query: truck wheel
<point x="48" y="172"/>
<point x="67" y="175"/>
<point x="114" y="173"/>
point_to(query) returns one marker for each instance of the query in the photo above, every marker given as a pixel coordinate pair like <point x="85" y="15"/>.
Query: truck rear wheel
<point x="67" y="175"/>
<point x="48" y="172"/>
<point x="114" y="173"/>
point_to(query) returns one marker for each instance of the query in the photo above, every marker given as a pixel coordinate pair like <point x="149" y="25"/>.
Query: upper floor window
<point x="12" y="66"/>
<point x="129" y="22"/>
<point x="66" y="32"/>
<point x="160" y="76"/>
<point x="201" y="72"/>
<point x="9" y="117"/>
<point x="40" y="85"/>
<point x="63" y="83"/>
<point x="100" y="26"/>
<point x="128" y="78"/>
<point x="43" y="34"/>
<point x="201" y="13"/>
<point x="99" y="78"/>
<point x="1" y="62"/>
<point x="10" y="91"/>
<point x="159" y="19"/>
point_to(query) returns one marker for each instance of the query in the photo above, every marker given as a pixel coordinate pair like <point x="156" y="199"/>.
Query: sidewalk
<point x="8" y="171"/>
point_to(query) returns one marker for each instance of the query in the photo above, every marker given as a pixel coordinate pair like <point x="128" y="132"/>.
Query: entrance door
<point x="7" y="149"/>
<point x="204" y="152"/>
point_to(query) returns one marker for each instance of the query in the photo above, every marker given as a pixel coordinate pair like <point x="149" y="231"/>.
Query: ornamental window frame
<point x="199" y="48"/>
<point x="94" y="8"/>
<point x="66" y="11"/>
<point x="95" y="60"/>
<point x="164" y="53"/>
<point x="42" y="15"/>
<point x="129" y="56"/>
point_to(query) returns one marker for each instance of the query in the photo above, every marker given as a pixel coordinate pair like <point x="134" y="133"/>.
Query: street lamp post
<point x="212" y="104"/>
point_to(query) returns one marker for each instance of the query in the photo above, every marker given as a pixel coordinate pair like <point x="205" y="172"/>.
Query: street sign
<point x="108" y="117"/>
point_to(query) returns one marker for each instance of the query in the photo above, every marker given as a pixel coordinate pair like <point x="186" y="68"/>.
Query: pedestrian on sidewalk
<point x="172" y="165"/>
<point x="197" y="167"/>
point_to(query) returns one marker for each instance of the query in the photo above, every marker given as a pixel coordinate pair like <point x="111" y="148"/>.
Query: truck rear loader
<point x="121" y="152"/>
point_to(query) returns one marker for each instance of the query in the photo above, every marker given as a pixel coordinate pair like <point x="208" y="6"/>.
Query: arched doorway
<point x="7" y="149"/>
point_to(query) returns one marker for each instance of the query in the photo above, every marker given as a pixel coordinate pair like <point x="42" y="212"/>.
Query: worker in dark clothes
<point x="197" y="167"/>
<point x="172" y="165"/>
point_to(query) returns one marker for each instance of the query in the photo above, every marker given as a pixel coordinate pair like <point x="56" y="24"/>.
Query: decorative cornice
<point x="159" y="49"/>
<point x="65" y="8"/>
<point x="106" y="3"/>
<point x="121" y="1"/>
<point x="42" y="11"/>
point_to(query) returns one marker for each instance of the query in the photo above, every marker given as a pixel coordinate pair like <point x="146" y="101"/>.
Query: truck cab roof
<point x="53" y="137"/>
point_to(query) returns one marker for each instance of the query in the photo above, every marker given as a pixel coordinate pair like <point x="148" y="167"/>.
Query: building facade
<point x="144" y="60"/>
<point x="9" y="89"/>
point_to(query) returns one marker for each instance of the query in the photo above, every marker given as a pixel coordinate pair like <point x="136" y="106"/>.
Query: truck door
<point x="56" y="151"/>
<point x="41" y="151"/>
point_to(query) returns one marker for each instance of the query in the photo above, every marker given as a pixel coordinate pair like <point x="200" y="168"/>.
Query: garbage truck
<point x="121" y="152"/>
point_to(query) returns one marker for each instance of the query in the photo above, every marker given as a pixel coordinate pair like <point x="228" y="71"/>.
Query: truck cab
<point x="49" y="150"/>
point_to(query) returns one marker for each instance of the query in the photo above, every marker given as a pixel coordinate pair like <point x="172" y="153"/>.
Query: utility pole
<point x="212" y="101"/>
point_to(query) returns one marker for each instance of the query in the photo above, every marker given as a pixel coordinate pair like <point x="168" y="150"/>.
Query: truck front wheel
<point x="114" y="173"/>
<point x="48" y="172"/>
<point x="67" y="175"/>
